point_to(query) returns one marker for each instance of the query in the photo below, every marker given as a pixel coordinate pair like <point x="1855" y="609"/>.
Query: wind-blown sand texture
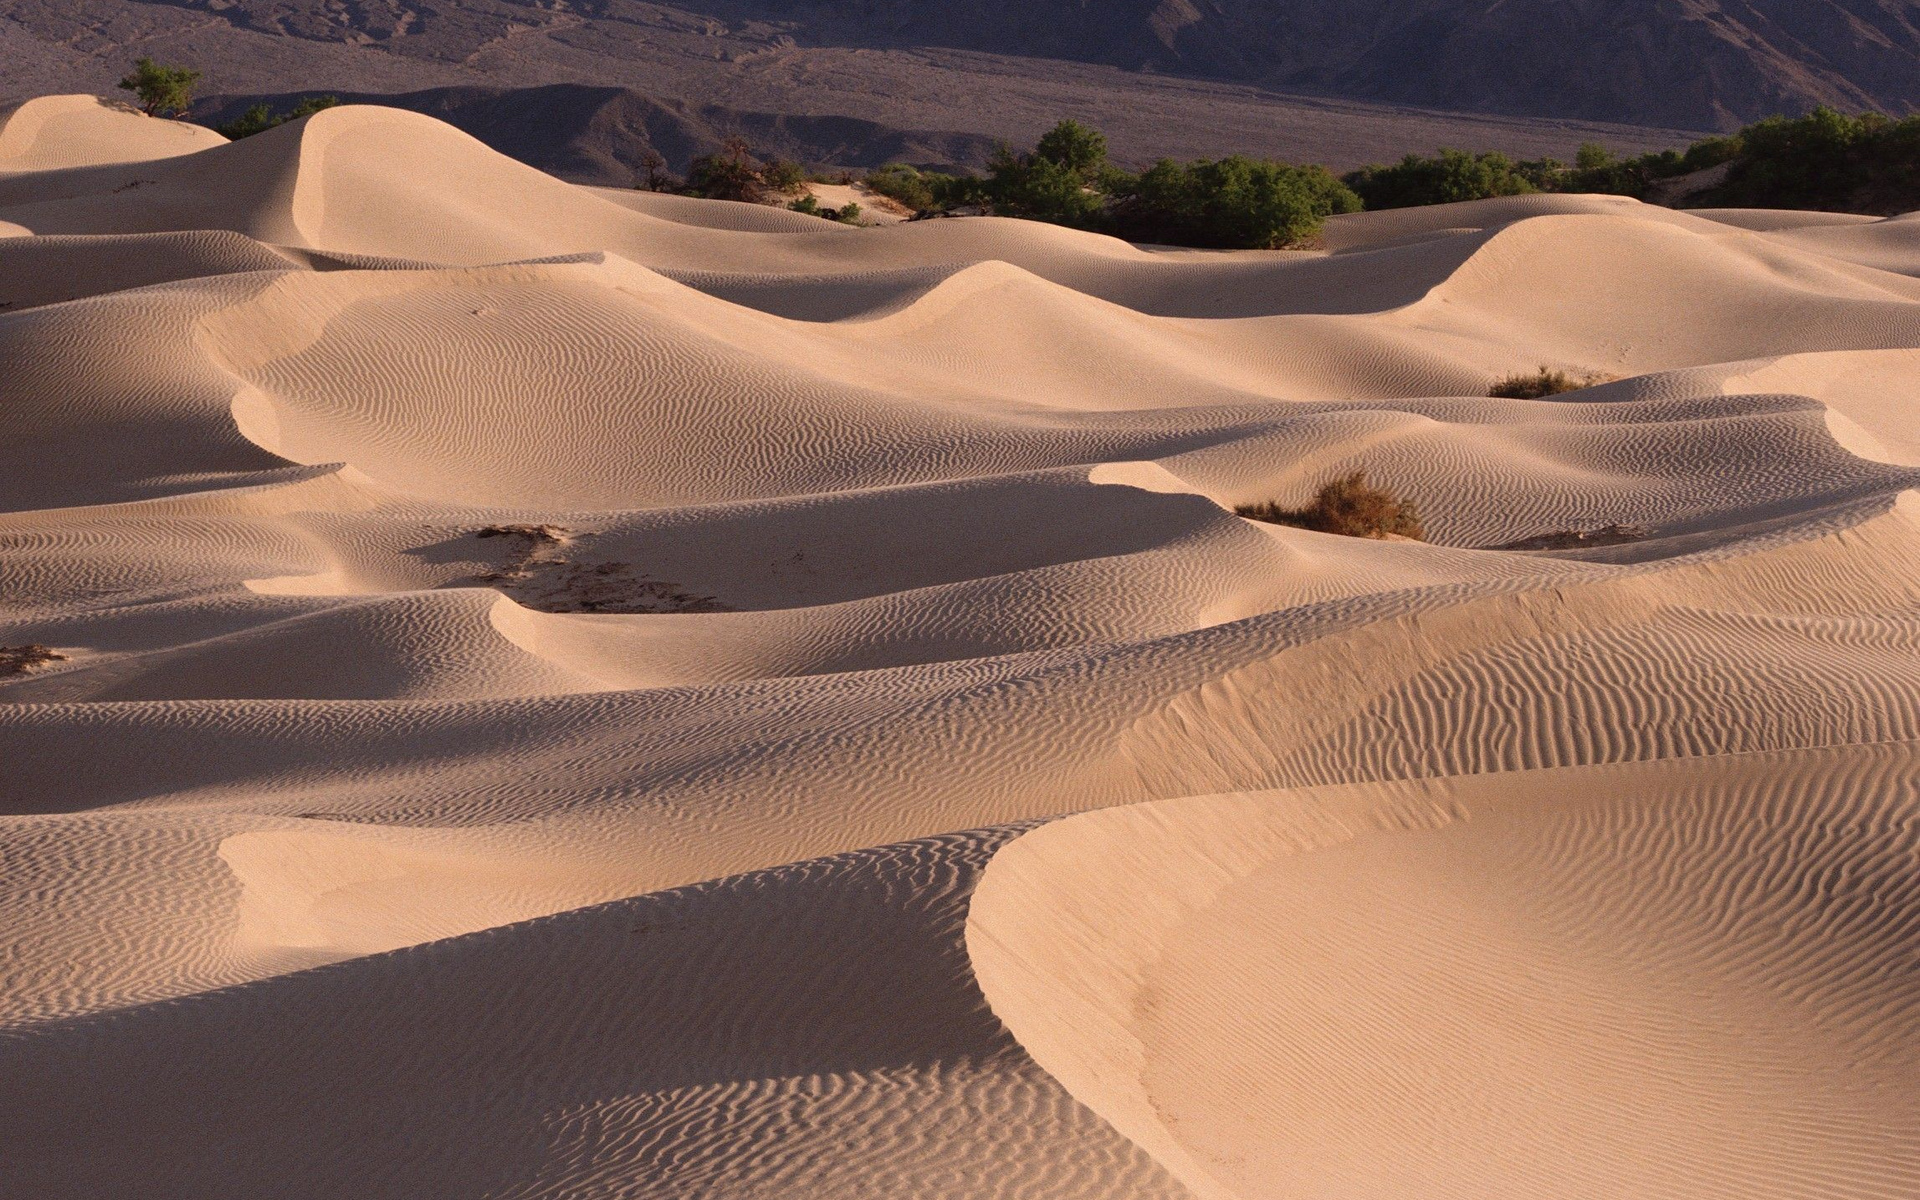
<point x="528" y="691"/>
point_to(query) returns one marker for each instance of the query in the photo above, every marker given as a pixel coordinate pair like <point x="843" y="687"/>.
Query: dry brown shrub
<point x="1347" y="506"/>
<point x="1540" y="384"/>
<point x="18" y="660"/>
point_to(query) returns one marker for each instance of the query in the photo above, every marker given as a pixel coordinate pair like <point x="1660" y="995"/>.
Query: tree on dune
<point x="163" y="91"/>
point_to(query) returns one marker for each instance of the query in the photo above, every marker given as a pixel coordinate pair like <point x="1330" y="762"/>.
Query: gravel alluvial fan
<point x="510" y="688"/>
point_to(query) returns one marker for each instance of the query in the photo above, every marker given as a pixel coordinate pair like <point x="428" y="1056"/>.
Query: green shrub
<point x="1825" y="160"/>
<point x="1055" y="183"/>
<point x="1347" y="506"/>
<point x="1452" y="176"/>
<point x="779" y="175"/>
<point x="898" y="181"/>
<point x="257" y="119"/>
<point x="730" y="173"/>
<point x="1229" y="203"/>
<point x="733" y="172"/>
<point x="260" y="118"/>
<point x="162" y="90"/>
<point x="847" y="214"/>
<point x="1074" y="148"/>
<point x="955" y="191"/>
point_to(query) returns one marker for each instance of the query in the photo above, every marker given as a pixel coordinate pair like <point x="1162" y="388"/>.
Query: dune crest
<point x="515" y="689"/>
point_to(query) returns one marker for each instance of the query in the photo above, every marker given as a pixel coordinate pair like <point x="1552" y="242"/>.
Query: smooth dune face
<point x="513" y="689"/>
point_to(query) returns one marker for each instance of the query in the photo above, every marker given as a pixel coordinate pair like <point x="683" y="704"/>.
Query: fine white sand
<point x="575" y="693"/>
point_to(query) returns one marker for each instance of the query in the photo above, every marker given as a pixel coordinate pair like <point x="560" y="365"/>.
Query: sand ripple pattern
<point x="495" y="673"/>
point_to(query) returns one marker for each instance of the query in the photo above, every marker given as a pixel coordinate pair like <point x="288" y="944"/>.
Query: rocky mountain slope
<point x="1692" y="64"/>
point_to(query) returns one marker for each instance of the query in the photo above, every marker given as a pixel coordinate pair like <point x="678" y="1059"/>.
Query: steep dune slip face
<point x="507" y="691"/>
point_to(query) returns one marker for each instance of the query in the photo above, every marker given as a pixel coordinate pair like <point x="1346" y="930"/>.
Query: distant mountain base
<point x="602" y="135"/>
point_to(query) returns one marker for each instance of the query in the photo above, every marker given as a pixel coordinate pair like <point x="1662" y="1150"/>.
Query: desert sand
<point x="520" y="690"/>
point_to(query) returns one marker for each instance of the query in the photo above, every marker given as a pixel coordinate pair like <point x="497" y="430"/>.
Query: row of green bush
<point x="1868" y="163"/>
<point x="1230" y="203"/>
<point x="1865" y="163"/>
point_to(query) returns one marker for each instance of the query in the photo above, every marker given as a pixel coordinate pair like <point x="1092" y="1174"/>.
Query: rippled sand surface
<point x="546" y="692"/>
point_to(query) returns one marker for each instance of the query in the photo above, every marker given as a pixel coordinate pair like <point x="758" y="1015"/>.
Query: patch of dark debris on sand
<point x="1579" y="539"/>
<point x="541" y="574"/>
<point x="19" y="660"/>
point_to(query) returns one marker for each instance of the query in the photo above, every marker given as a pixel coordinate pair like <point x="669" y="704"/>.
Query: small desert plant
<point x="1349" y="507"/>
<point x="849" y="214"/>
<point x="735" y="172"/>
<point x="1233" y="203"/>
<point x="1448" y="178"/>
<point x="1547" y="381"/>
<point x="779" y="175"/>
<point x="260" y="118"/>
<point x="900" y="182"/>
<point x="729" y="174"/>
<point x="162" y="90"/>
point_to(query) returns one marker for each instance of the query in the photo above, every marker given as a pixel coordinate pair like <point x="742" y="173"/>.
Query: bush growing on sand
<point x="163" y="91"/>
<point x="729" y="173"/>
<point x="779" y="175"/>
<point x="1865" y="163"/>
<point x="1233" y="203"/>
<point x="1534" y="385"/>
<point x="1826" y="160"/>
<point x="846" y="214"/>
<point x="1229" y="203"/>
<point x="734" y="172"/>
<point x="898" y="181"/>
<point x="1450" y="177"/>
<point x="260" y="118"/>
<point x="1347" y="506"/>
<point x="1058" y="182"/>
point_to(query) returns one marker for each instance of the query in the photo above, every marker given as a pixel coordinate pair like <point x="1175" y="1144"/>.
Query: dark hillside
<point x="601" y="135"/>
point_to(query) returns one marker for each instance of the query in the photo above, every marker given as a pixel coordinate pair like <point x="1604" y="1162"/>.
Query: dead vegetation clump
<point x="553" y="535"/>
<point x="1579" y="539"/>
<point x="540" y="573"/>
<point x="18" y="660"/>
<point x="1547" y="381"/>
<point x="1350" y="507"/>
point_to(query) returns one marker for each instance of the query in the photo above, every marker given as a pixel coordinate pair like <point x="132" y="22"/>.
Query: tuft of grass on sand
<point x="1347" y="506"/>
<point x="1547" y="381"/>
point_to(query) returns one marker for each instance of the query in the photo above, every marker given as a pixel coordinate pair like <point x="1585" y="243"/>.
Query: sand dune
<point x="1726" y="936"/>
<point x="518" y="689"/>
